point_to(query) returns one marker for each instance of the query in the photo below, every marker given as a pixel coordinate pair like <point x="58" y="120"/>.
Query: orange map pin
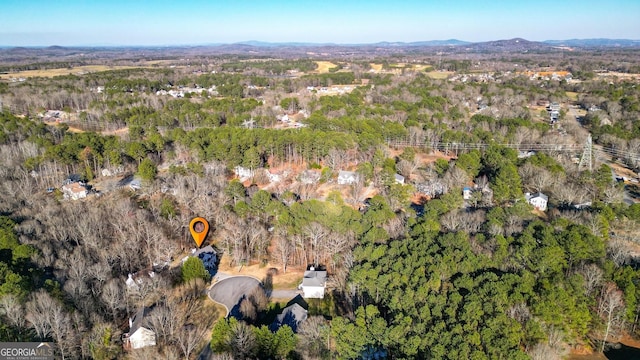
<point x="199" y="228"/>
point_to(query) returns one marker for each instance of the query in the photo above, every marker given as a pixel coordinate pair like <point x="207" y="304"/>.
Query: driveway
<point x="285" y="294"/>
<point x="232" y="290"/>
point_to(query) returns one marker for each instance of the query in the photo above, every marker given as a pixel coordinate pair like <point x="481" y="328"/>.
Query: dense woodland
<point x="436" y="278"/>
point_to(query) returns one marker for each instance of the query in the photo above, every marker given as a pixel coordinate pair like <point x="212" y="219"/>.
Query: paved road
<point x="285" y="294"/>
<point x="231" y="290"/>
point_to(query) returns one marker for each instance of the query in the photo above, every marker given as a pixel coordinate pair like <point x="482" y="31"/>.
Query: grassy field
<point x="80" y="70"/>
<point x="572" y="95"/>
<point x="324" y="66"/>
<point x="439" y="74"/>
<point x="376" y="67"/>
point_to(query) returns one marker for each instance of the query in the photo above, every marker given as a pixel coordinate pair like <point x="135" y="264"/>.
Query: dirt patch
<point x="289" y="280"/>
<point x="623" y="171"/>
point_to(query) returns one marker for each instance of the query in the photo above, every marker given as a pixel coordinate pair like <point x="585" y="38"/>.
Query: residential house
<point x="399" y="179"/>
<point x="538" y="200"/>
<point x="136" y="280"/>
<point x="243" y="173"/>
<point x="292" y="315"/>
<point x="209" y="258"/>
<point x="347" y="177"/>
<point x="276" y="176"/>
<point x="310" y="176"/>
<point x="467" y="193"/>
<point x="313" y="283"/>
<point x="74" y="191"/>
<point x="139" y="336"/>
<point x="525" y="154"/>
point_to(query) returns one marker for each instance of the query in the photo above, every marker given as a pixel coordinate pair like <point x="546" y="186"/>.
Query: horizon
<point x="122" y="23"/>
<point x="299" y="43"/>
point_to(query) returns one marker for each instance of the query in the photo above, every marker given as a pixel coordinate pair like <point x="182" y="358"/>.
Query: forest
<point x="452" y="262"/>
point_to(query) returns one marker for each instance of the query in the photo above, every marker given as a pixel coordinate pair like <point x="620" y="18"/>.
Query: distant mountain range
<point x="293" y="49"/>
<point x="594" y="42"/>
<point x="451" y="42"/>
<point x="498" y="44"/>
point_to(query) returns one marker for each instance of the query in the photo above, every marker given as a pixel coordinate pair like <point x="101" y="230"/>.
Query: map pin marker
<point x="199" y="228"/>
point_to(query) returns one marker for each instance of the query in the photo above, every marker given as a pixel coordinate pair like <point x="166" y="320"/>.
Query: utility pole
<point x="586" y="161"/>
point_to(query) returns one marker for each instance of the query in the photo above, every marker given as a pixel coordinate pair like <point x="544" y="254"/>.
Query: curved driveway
<point x="230" y="291"/>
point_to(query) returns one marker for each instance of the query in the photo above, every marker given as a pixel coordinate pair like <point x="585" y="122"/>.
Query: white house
<point x="243" y="173"/>
<point x="538" y="200"/>
<point x="399" y="179"/>
<point x="347" y="177"/>
<point x="74" y="191"/>
<point x="313" y="284"/>
<point x="467" y="193"/>
<point x="139" y="336"/>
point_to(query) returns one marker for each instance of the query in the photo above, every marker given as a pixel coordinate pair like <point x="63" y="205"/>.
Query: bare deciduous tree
<point x="611" y="310"/>
<point x="592" y="276"/>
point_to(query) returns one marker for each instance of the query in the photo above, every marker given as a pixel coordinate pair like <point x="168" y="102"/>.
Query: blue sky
<point x="185" y="22"/>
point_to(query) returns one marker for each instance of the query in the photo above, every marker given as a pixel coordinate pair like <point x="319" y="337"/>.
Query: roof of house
<point x="398" y="177"/>
<point x="292" y="315"/>
<point x="537" y="195"/>
<point x="205" y="250"/>
<point x="74" y="188"/>
<point x="314" y="278"/>
<point x="137" y="320"/>
<point x="346" y="173"/>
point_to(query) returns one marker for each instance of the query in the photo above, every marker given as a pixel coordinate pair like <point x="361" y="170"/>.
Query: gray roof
<point x="314" y="278"/>
<point x="540" y="195"/>
<point x="205" y="250"/>
<point x="292" y="315"/>
<point x="138" y="319"/>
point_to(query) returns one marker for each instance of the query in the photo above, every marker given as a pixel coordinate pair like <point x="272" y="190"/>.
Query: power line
<point x="585" y="160"/>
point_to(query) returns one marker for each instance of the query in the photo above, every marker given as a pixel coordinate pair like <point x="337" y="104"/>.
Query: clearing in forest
<point x="439" y="74"/>
<point x="324" y="66"/>
<point x="376" y="67"/>
<point x="573" y="96"/>
<point x="77" y="70"/>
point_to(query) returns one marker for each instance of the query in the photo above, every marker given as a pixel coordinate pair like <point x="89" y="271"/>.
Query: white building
<point x="74" y="191"/>
<point x="313" y="284"/>
<point x="347" y="177"/>
<point x="538" y="200"/>
<point x="139" y="336"/>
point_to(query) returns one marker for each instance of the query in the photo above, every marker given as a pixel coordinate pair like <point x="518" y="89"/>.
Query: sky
<point x="195" y="22"/>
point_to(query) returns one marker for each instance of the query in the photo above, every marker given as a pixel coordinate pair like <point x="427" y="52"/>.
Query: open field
<point x="440" y="74"/>
<point x="324" y="66"/>
<point x="612" y="75"/>
<point x="376" y="67"/>
<point x="79" y="70"/>
<point x="572" y="95"/>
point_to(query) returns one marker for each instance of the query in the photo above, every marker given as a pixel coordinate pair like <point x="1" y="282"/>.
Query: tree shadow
<point x="622" y="352"/>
